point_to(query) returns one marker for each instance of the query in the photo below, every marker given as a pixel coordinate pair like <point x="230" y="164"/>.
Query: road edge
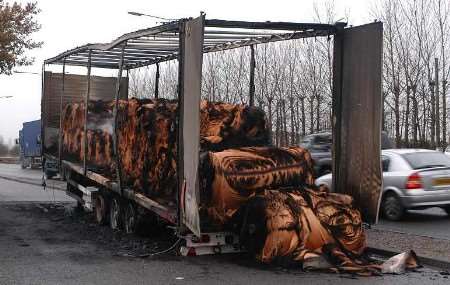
<point x="30" y="182"/>
<point x="424" y="260"/>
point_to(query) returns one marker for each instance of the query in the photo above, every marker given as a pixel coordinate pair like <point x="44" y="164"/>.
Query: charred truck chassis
<point x="356" y="113"/>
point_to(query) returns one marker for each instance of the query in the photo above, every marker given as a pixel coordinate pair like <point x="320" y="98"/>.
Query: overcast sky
<point x="67" y="24"/>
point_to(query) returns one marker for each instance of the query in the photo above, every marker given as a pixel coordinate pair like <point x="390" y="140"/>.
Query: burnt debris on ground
<point x="71" y="224"/>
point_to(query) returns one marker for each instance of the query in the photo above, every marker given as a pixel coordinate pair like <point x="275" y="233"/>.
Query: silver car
<point x="412" y="179"/>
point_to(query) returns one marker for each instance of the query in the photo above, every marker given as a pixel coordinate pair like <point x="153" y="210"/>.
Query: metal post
<point x="252" y="76"/>
<point x="437" y="96"/>
<point x="60" y="115"/>
<point x="86" y="103"/>
<point x="43" y="107"/>
<point x="337" y="104"/>
<point x="157" y="81"/>
<point x="190" y="72"/>
<point x="180" y="168"/>
<point x="433" y="111"/>
<point x="116" y="121"/>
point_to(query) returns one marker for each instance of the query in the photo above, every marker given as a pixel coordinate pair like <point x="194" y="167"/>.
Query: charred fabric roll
<point x="267" y="196"/>
<point x="224" y="126"/>
<point x="232" y="176"/>
<point x="147" y="138"/>
<point x="309" y="226"/>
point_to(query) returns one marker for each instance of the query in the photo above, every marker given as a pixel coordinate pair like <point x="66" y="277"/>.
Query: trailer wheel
<point x="49" y="175"/>
<point x="114" y="214"/>
<point x="130" y="218"/>
<point x="100" y="209"/>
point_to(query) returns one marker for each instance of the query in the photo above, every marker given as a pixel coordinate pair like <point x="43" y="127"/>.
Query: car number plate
<point x="442" y="181"/>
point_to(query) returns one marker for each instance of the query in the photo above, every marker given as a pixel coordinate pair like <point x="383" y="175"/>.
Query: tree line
<point x="293" y="79"/>
<point x="7" y="149"/>
<point x="415" y="70"/>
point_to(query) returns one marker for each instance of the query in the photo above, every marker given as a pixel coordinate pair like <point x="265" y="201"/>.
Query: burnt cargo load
<point x="231" y="171"/>
<point x="147" y="139"/>
<point x="264" y="194"/>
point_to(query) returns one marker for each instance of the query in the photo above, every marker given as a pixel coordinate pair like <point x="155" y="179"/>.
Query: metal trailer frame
<point x="186" y="40"/>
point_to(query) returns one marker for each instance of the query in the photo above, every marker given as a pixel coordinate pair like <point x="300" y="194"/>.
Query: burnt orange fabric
<point x="225" y="126"/>
<point x="238" y="174"/>
<point x="147" y="138"/>
<point x="320" y="219"/>
<point x="305" y="223"/>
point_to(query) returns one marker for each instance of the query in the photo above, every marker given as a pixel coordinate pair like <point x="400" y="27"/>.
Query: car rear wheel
<point x="63" y="174"/>
<point x="324" y="171"/>
<point x="392" y="207"/>
<point x="49" y="175"/>
<point x="447" y="210"/>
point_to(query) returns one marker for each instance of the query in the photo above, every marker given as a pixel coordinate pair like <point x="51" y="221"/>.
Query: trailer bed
<point x="162" y="211"/>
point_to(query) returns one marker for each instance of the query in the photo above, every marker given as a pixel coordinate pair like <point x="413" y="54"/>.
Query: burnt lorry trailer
<point x="356" y="117"/>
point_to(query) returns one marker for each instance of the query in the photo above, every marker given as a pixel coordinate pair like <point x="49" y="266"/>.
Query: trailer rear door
<point x="190" y="90"/>
<point x="357" y="104"/>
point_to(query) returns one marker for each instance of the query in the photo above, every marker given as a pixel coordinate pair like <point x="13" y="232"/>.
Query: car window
<point x="386" y="142"/>
<point x="321" y="143"/>
<point x="385" y="161"/>
<point x="323" y="140"/>
<point x="419" y="160"/>
<point x="305" y="141"/>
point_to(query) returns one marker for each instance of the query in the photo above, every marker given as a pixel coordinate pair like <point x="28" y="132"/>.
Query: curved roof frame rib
<point x="161" y="43"/>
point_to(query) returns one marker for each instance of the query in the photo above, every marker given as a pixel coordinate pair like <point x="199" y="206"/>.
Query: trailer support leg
<point x="60" y="118"/>
<point x="116" y="120"/>
<point x="157" y="81"/>
<point x="86" y="102"/>
<point x="252" y="76"/>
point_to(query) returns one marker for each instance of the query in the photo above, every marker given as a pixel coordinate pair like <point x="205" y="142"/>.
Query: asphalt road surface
<point x="433" y="222"/>
<point x="14" y="170"/>
<point x="18" y="184"/>
<point x="47" y="241"/>
<point x="15" y="191"/>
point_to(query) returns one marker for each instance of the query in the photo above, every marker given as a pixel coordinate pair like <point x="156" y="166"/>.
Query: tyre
<point x="79" y="207"/>
<point x="100" y="210"/>
<point x="63" y="174"/>
<point x="392" y="208"/>
<point x="130" y="218"/>
<point x="114" y="214"/>
<point x="447" y="210"/>
<point x="49" y="175"/>
<point x="324" y="171"/>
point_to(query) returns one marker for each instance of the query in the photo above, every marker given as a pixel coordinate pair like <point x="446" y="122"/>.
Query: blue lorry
<point x="30" y="144"/>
